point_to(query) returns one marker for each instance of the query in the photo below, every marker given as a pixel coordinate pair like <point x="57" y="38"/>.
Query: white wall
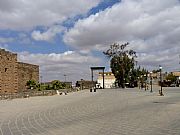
<point x="107" y="82"/>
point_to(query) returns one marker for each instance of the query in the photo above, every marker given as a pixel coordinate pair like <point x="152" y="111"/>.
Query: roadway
<point x="106" y="112"/>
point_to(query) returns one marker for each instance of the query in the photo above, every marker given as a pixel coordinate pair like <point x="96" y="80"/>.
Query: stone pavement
<point x="106" y="112"/>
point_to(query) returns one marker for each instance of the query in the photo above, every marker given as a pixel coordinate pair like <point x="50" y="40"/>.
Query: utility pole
<point x="151" y="80"/>
<point x="65" y="77"/>
<point x="40" y="82"/>
<point x="160" y="91"/>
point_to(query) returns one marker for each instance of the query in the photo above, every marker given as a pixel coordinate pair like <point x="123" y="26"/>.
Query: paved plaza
<point x="106" y="112"/>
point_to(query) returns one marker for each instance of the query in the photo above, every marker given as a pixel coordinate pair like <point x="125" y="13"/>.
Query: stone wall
<point x="27" y="72"/>
<point x="8" y="72"/>
<point x="14" y="75"/>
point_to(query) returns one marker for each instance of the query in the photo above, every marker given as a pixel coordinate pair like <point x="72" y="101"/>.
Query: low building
<point x="156" y="77"/>
<point x="109" y="79"/>
<point x="49" y="85"/>
<point x="84" y="84"/>
<point x="177" y="74"/>
<point x="13" y="74"/>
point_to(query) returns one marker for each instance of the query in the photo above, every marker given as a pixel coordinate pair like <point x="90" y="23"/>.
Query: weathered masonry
<point x="8" y="72"/>
<point x="14" y="74"/>
<point x="26" y="72"/>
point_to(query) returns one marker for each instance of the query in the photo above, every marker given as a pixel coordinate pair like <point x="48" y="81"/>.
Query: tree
<point x="122" y="62"/>
<point x="48" y="87"/>
<point x="56" y="84"/>
<point x="31" y="84"/>
<point x="171" y="78"/>
<point x="156" y="71"/>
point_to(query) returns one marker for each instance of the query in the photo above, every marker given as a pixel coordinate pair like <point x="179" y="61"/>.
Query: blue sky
<point x="57" y="45"/>
<point x="66" y="39"/>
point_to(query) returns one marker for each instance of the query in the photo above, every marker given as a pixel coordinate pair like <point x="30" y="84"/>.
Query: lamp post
<point x="138" y="82"/>
<point x="151" y="81"/>
<point x="40" y="82"/>
<point x="141" y="82"/>
<point x="82" y="84"/>
<point x="145" y="81"/>
<point x="160" y="91"/>
<point x="65" y="77"/>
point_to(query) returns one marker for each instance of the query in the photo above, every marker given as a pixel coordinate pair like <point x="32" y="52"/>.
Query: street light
<point x="141" y="82"/>
<point x="151" y="80"/>
<point x="160" y="91"/>
<point x="138" y="82"/>
<point x="145" y="81"/>
<point x="40" y="82"/>
<point x="65" y="77"/>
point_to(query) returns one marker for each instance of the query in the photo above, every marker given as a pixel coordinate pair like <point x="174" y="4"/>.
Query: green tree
<point x="171" y="78"/>
<point x="38" y="86"/>
<point x="47" y="87"/>
<point x="156" y="71"/>
<point x="56" y="84"/>
<point x="122" y="62"/>
<point x="63" y="85"/>
<point x="31" y="84"/>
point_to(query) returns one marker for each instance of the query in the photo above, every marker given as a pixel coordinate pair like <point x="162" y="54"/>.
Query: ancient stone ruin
<point x="13" y="74"/>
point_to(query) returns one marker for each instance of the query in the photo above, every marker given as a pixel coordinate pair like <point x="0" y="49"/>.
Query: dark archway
<point x="97" y="68"/>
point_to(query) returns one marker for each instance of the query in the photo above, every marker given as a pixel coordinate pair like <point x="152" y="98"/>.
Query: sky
<point x="66" y="37"/>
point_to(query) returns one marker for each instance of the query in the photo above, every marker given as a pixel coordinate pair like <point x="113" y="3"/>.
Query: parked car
<point x="173" y="85"/>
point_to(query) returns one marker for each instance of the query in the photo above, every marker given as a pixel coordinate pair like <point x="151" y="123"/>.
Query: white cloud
<point x="48" y="35"/>
<point x="54" y="66"/>
<point x="3" y="46"/>
<point x="6" y="40"/>
<point x="26" y="14"/>
<point x="168" y="60"/>
<point x="151" y="27"/>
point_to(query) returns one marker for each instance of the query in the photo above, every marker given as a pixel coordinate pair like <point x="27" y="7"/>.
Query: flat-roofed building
<point x="176" y="73"/>
<point x="85" y="84"/>
<point x="109" y="79"/>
